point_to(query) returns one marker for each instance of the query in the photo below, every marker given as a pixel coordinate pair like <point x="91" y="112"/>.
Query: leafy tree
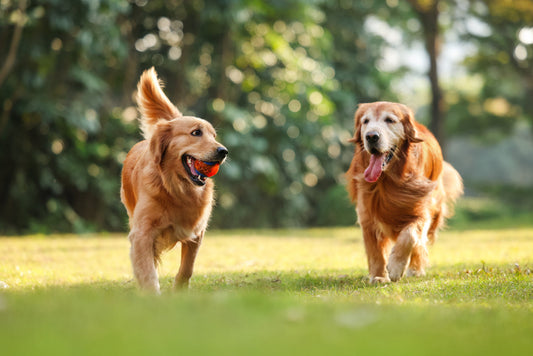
<point x="280" y="80"/>
<point x="498" y="89"/>
<point x="60" y="136"/>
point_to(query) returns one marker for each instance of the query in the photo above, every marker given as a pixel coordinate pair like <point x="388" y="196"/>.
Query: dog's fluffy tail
<point x="453" y="186"/>
<point x="153" y="103"/>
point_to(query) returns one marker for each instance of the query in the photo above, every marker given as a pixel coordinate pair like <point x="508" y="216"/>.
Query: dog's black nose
<point x="372" y="137"/>
<point x="222" y="152"/>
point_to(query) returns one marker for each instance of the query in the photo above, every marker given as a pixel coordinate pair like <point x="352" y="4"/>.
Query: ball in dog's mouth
<point x="198" y="170"/>
<point x="207" y="169"/>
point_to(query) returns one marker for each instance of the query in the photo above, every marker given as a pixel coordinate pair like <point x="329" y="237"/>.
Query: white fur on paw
<point x="396" y="270"/>
<point x="416" y="273"/>
<point x="379" y="280"/>
<point x="151" y="287"/>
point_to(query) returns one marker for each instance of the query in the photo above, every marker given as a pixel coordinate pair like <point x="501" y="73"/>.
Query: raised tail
<point x="153" y="103"/>
<point x="453" y="186"/>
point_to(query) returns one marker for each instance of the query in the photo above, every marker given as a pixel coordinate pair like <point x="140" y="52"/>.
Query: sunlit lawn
<point x="267" y="292"/>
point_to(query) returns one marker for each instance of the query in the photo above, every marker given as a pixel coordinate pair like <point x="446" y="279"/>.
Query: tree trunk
<point x="429" y="18"/>
<point x="15" y="41"/>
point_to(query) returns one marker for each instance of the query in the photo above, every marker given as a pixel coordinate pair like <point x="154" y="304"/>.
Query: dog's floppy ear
<point x="408" y="120"/>
<point x="357" y="124"/>
<point x="160" y="140"/>
<point x="153" y="103"/>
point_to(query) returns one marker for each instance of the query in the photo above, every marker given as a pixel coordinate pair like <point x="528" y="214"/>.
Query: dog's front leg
<point x="142" y="256"/>
<point x="189" y="250"/>
<point x="376" y="247"/>
<point x="401" y="252"/>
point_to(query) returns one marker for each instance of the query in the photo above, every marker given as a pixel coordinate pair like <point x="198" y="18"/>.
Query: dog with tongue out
<point x="402" y="188"/>
<point x="376" y="165"/>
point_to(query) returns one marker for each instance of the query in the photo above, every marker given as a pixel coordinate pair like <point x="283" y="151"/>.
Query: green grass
<point x="267" y="292"/>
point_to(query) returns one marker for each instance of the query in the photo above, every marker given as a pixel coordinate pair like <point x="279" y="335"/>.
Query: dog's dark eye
<point x="366" y="121"/>
<point x="197" y="133"/>
<point x="389" y="120"/>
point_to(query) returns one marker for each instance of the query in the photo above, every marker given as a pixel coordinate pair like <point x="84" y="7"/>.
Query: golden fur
<point x="166" y="203"/>
<point x="402" y="188"/>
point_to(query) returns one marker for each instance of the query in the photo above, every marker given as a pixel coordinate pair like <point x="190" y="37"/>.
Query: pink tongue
<point x="373" y="171"/>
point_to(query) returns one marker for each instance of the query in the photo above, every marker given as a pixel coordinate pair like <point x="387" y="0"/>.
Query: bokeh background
<point x="280" y="80"/>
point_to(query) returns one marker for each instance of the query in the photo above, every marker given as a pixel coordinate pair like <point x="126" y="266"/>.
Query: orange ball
<point x="207" y="169"/>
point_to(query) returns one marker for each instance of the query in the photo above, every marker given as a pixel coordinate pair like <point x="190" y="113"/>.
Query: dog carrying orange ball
<point x="207" y="169"/>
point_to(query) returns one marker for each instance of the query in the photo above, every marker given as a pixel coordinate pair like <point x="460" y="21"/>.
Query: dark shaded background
<point x="280" y="80"/>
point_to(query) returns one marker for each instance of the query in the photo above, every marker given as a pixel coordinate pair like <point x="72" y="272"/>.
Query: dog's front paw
<point x="396" y="270"/>
<point x="416" y="272"/>
<point x="379" y="280"/>
<point x="150" y="287"/>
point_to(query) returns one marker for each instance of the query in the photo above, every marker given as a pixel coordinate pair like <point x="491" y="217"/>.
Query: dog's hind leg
<point x="143" y="257"/>
<point x="189" y="250"/>
<point x="419" y="254"/>
<point x="419" y="260"/>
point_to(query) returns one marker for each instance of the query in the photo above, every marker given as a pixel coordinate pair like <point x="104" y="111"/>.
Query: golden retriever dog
<point x="165" y="184"/>
<point x="402" y="188"/>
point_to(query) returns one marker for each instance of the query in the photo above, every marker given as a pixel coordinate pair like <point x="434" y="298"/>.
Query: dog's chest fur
<point x="393" y="211"/>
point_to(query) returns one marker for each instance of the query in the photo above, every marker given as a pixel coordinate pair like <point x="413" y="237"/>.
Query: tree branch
<point x="15" y="41"/>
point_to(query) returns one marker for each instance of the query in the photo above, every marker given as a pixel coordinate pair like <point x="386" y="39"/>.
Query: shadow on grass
<point x="282" y="281"/>
<point x="488" y="285"/>
<point x="501" y="284"/>
<point x="264" y="282"/>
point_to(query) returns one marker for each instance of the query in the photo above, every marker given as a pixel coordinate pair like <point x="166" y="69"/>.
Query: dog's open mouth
<point x="378" y="162"/>
<point x="198" y="170"/>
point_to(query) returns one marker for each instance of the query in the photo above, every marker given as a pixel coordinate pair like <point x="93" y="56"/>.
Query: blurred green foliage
<point x="497" y="92"/>
<point x="60" y="134"/>
<point x="280" y="80"/>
